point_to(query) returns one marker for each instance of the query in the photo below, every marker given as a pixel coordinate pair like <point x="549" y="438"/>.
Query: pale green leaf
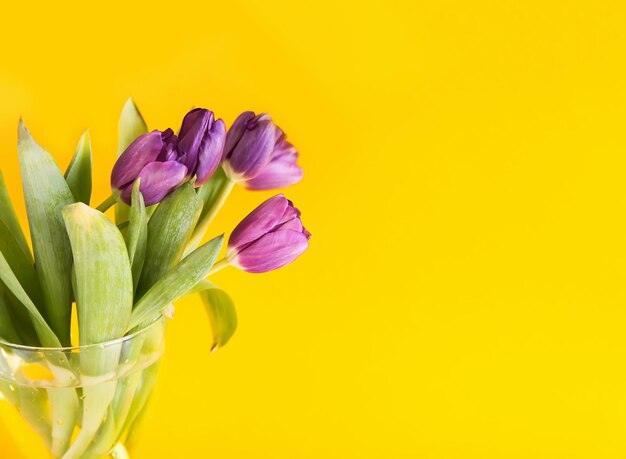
<point x="130" y="126"/>
<point x="210" y="191"/>
<point x="46" y="193"/>
<point x="78" y="173"/>
<point x="8" y="329"/>
<point x="121" y="212"/>
<point x="21" y="319"/>
<point x="213" y="195"/>
<point x="8" y="217"/>
<point x="21" y="265"/>
<point x="169" y="230"/>
<point x="104" y="288"/>
<point x="44" y="332"/>
<point x="137" y="236"/>
<point x="137" y="410"/>
<point x="221" y="311"/>
<point x="104" y="301"/>
<point x="176" y="282"/>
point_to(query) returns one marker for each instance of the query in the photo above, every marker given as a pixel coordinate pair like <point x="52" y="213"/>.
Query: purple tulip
<point x="153" y="157"/>
<point x="201" y="143"/>
<point x="258" y="155"/>
<point x="270" y="237"/>
<point x="164" y="161"/>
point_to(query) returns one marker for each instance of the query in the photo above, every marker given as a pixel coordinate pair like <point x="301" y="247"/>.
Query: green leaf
<point x="121" y="212"/>
<point x="104" y="439"/>
<point x="137" y="234"/>
<point x="130" y="126"/>
<point x="8" y="217"/>
<point x="104" y="288"/>
<point x="221" y="311"/>
<point x="78" y="173"/>
<point x="169" y="230"/>
<point x="104" y="301"/>
<point x="22" y="266"/>
<point x="8" y="330"/>
<point x="21" y="319"/>
<point x="46" y="193"/>
<point x="210" y="191"/>
<point x="44" y="332"/>
<point x="213" y="194"/>
<point x="176" y="282"/>
<point x="137" y="412"/>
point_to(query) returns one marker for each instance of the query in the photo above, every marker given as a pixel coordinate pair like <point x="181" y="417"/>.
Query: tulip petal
<point x="254" y="150"/>
<point x="157" y="181"/>
<point x="168" y="136"/>
<point x="284" y="148"/>
<point x="236" y="131"/>
<point x="143" y="150"/>
<point x="169" y="151"/>
<point x="280" y="173"/>
<point x="211" y="151"/>
<point x="295" y="224"/>
<point x="272" y="251"/>
<point x="192" y="132"/>
<point x="258" y="222"/>
<point x="290" y="212"/>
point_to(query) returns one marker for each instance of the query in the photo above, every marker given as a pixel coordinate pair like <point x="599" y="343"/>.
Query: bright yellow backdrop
<point x="464" y="295"/>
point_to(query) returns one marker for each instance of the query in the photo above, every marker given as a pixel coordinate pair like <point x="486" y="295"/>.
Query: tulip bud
<point x="201" y="143"/>
<point x="270" y="237"/>
<point x="257" y="154"/>
<point x="150" y="157"/>
<point x="165" y="161"/>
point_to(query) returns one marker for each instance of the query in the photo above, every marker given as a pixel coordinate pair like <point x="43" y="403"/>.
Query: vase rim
<point x="113" y="342"/>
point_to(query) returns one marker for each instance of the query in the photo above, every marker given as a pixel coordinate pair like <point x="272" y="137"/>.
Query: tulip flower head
<point x="270" y="237"/>
<point x="258" y="155"/>
<point x="201" y="143"/>
<point x="164" y="161"/>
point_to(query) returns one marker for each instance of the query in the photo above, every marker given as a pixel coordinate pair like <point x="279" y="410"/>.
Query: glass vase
<point x="81" y="402"/>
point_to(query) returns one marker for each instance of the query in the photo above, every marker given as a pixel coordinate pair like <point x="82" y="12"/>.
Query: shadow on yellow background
<point x="464" y="293"/>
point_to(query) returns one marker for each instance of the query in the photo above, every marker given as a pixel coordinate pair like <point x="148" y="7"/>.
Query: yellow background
<point x="464" y="294"/>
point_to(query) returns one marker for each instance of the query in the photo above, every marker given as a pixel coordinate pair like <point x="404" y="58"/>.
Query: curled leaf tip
<point x="219" y="239"/>
<point x="22" y="131"/>
<point x="70" y="208"/>
<point x="168" y="311"/>
<point x="130" y="105"/>
<point x="85" y="141"/>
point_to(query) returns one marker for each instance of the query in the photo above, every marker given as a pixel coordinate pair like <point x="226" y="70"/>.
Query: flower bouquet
<point x="82" y="315"/>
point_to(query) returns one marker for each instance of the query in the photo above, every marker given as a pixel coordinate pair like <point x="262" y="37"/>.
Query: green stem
<point x="219" y="266"/>
<point x="203" y="225"/>
<point x="107" y="203"/>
